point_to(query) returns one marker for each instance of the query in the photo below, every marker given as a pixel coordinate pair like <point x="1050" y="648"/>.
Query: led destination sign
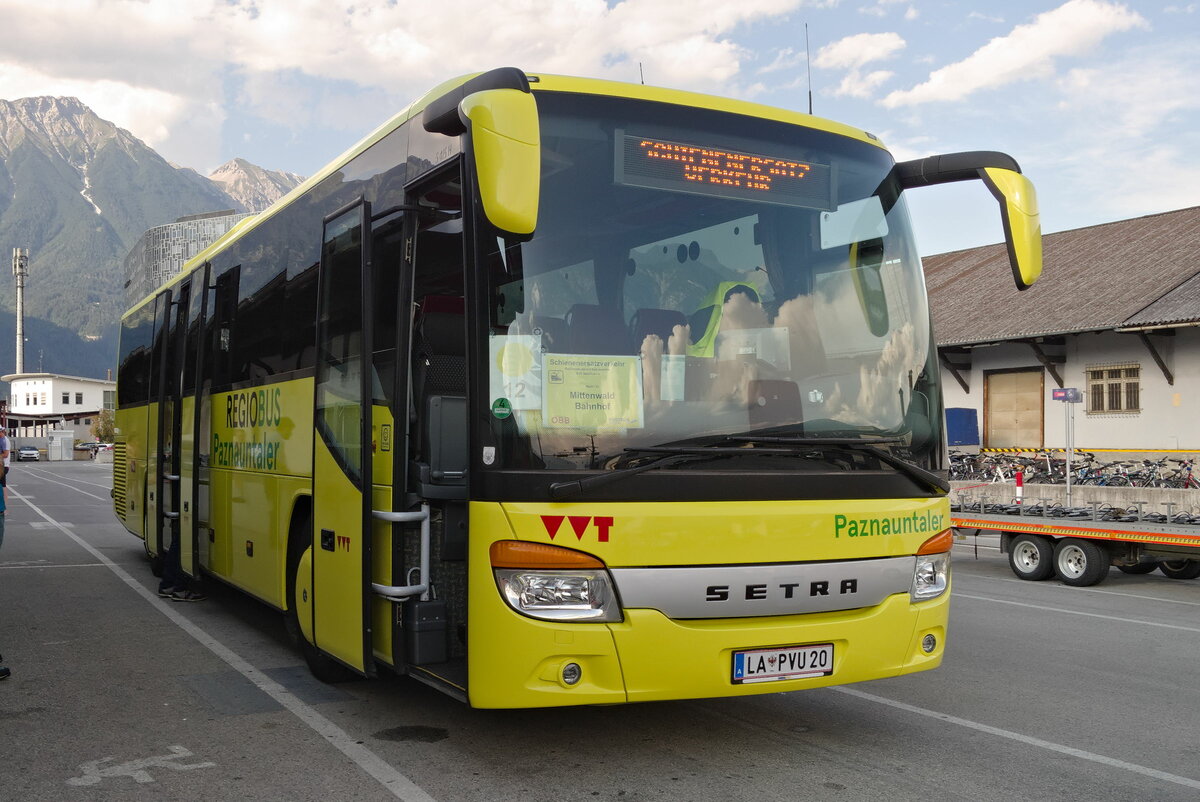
<point x="702" y="170"/>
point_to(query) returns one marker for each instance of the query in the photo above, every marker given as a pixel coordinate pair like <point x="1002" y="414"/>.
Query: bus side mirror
<point x="1015" y="193"/>
<point x="1022" y="223"/>
<point x="506" y="140"/>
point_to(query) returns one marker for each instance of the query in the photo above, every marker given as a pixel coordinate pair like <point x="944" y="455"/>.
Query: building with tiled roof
<point x="1115" y="315"/>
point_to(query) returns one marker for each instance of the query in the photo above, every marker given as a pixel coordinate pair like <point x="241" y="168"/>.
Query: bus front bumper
<point x="519" y="662"/>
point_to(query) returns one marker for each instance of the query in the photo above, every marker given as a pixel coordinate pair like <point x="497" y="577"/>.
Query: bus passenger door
<point x="158" y="456"/>
<point x="342" y="448"/>
<point x="191" y="357"/>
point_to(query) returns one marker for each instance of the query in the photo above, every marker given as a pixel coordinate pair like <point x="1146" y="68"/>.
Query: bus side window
<point x="222" y="321"/>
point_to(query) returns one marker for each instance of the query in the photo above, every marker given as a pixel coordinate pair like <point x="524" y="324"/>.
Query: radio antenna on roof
<point x="808" y="68"/>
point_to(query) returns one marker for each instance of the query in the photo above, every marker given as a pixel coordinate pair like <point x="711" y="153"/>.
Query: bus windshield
<point x="698" y="277"/>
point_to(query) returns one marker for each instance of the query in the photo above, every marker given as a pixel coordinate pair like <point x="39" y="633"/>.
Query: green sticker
<point x="501" y="408"/>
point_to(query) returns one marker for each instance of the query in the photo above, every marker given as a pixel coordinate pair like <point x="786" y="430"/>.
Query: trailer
<point x="1080" y="546"/>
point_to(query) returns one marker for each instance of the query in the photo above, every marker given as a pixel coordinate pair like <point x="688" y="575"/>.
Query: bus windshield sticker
<point x="706" y="170"/>
<point x="516" y="369"/>
<point x="603" y="393"/>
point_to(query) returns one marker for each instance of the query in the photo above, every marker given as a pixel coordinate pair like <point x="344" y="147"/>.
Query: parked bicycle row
<point x="1104" y="512"/>
<point x="1047" y="468"/>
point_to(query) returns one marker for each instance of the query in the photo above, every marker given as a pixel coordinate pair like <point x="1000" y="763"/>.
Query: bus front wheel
<point x="320" y="665"/>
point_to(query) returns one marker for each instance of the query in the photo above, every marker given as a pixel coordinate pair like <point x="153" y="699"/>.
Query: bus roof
<point x="538" y="83"/>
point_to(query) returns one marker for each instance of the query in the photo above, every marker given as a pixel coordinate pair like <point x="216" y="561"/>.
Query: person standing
<point x="5" y="672"/>
<point x="5" y="448"/>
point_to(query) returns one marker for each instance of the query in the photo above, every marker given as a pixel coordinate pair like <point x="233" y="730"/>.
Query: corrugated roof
<point x="1137" y="272"/>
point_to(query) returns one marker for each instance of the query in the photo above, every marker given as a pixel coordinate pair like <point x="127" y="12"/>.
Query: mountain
<point x="78" y="192"/>
<point x="252" y="187"/>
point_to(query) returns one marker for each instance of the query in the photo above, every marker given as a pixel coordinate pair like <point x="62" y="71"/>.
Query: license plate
<point x="784" y="662"/>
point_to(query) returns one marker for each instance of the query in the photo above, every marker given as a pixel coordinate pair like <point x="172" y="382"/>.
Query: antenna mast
<point x="20" y="264"/>
<point x="808" y="68"/>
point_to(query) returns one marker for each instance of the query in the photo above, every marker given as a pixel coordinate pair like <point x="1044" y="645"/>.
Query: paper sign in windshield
<point x="516" y="370"/>
<point x="592" y="392"/>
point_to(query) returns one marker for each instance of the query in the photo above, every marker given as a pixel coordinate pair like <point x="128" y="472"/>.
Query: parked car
<point x="28" y="452"/>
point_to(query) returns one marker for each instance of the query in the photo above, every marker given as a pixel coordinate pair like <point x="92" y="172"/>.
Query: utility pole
<point x="20" y="266"/>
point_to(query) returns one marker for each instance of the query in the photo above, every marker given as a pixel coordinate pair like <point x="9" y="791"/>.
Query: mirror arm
<point x="441" y="115"/>
<point x="951" y="167"/>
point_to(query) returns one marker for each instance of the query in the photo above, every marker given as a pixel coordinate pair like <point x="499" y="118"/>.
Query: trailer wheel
<point x="1138" y="568"/>
<point x="1031" y="557"/>
<point x="1080" y="562"/>
<point x="1180" y="569"/>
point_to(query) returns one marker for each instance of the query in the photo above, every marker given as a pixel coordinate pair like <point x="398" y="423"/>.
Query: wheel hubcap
<point x="1072" y="563"/>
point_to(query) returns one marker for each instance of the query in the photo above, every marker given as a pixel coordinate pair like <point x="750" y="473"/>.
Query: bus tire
<point x="320" y="665"/>
<point x="1080" y="562"/>
<point x="1180" y="569"/>
<point x="1031" y="557"/>
<point x="1138" y="568"/>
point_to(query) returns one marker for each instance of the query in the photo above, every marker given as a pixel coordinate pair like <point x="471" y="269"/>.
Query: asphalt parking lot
<point x="1047" y="692"/>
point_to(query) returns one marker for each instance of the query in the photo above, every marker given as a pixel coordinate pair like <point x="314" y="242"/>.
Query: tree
<point x="102" y="426"/>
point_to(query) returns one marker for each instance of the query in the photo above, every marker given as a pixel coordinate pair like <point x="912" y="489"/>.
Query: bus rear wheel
<point x="1180" y="569"/>
<point x="1031" y="557"/>
<point x="1079" y="562"/>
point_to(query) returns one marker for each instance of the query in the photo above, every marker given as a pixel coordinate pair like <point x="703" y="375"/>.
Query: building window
<point x="66" y="398"/>
<point x="1114" y="388"/>
<point x="78" y="398"/>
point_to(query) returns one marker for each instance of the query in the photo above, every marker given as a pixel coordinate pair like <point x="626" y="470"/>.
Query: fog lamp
<point x="928" y="644"/>
<point x="571" y="673"/>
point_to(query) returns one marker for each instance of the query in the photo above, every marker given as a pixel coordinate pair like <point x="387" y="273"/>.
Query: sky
<point x="1098" y="100"/>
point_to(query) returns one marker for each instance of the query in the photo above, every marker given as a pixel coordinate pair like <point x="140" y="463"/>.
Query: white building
<point x="39" y="402"/>
<point x="1116" y="316"/>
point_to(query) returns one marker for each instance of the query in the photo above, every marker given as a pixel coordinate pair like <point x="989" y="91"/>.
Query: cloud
<point x="880" y="8"/>
<point x="855" y="84"/>
<point x="785" y="59"/>
<point x="853" y="53"/>
<point x="195" y="60"/>
<point x="858" y="50"/>
<point x="1027" y="52"/>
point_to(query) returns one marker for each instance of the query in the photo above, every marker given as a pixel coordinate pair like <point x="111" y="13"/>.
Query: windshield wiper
<point x="667" y="456"/>
<point x="866" y="445"/>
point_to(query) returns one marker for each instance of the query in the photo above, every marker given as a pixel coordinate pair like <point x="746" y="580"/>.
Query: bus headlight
<point x="931" y="576"/>
<point x="554" y="583"/>
<point x="559" y="595"/>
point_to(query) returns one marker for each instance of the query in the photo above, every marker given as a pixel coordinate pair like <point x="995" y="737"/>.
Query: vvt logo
<point x="579" y="525"/>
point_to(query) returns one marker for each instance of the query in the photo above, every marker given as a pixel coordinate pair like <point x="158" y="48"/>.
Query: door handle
<point x="327" y="539"/>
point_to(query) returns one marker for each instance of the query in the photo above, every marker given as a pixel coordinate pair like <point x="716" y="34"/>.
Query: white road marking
<point x="384" y="773"/>
<point x="47" y="565"/>
<point x="958" y="595"/>
<point x="1025" y="739"/>
<point x="1097" y="590"/>
<point x="136" y="769"/>
<point x="59" y="479"/>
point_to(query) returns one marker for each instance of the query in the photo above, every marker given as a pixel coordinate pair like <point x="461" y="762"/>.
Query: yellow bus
<point x="559" y="391"/>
